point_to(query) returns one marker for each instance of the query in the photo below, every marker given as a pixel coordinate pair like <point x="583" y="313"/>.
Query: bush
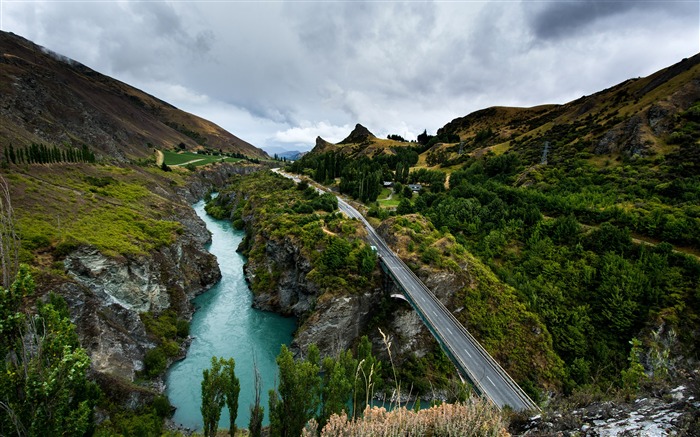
<point x="154" y="362"/>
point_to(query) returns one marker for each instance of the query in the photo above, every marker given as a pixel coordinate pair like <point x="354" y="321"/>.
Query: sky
<point x="278" y="74"/>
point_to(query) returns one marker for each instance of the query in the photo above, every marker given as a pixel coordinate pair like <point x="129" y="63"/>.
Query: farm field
<point x="184" y="158"/>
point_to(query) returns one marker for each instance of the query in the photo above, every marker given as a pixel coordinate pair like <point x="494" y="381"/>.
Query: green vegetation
<point x="173" y="158"/>
<point x="144" y="421"/>
<point x="282" y="210"/>
<point x="44" y="388"/>
<point x="220" y="387"/>
<point x="168" y="331"/>
<point x="361" y="178"/>
<point x="309" y="389"/>
<point x="61" y="207"/>
<point x="43" y="154"/>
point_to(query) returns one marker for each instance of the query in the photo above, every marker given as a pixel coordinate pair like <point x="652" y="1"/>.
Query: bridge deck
<point x="473" y="361"/>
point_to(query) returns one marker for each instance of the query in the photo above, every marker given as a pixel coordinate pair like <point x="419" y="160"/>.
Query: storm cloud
<point x="279" y="74"/>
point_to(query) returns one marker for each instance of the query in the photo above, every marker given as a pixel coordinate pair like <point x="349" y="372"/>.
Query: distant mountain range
<point x="49" y="99"/>
<point x="291" y="155"/>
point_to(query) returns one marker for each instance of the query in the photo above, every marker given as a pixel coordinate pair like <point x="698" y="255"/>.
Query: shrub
<point x="154" y="362"/>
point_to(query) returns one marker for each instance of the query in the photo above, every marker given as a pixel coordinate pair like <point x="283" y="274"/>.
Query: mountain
<point x="50" y="99"/>
<point x="634" y="119"/>
<point x="360" y="142"/>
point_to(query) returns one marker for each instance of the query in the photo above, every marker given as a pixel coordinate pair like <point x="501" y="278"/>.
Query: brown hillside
<point x="633" y="118"/>
<point x="47" y="98"/>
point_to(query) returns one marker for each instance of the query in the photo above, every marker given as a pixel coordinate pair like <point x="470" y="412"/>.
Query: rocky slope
<point x="630" y="120"/>
<point x="360" y="142"/>
<point x="670" y="411"/>
<point x="107" y="292"/>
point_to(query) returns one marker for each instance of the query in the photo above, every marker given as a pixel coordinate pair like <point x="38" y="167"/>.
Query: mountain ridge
<point x="49" y="98"/>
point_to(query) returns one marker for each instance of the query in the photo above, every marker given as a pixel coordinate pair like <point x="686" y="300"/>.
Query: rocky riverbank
<point x="106" y="293"/>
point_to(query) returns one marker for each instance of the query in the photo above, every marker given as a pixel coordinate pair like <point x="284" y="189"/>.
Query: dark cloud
<point x="278" y="73"/>
<point x="551" y="20"/>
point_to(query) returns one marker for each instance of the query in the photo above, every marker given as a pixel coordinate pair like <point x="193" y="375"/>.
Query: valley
<point x="564" y="238"/>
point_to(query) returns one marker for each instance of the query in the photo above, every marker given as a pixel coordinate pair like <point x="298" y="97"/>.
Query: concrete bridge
<point x="471" y="359"/>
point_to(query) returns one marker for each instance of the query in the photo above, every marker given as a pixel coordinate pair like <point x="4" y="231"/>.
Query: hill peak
<point x="358" y="135"/>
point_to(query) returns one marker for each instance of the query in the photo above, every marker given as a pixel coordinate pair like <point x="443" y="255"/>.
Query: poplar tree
<point x="298" y="395"/>
<point x="213" y="397"/>
<point x="220" y="387"/>
<point x="232" y="387"/>
<point x="337" y="385"/>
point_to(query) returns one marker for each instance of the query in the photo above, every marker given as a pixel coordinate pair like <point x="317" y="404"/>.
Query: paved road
<point x="482" y="370"/>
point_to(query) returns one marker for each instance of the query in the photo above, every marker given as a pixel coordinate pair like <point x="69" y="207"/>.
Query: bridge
<point x="470" y="358"/>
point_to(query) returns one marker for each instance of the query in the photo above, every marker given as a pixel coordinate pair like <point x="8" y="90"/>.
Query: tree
<point x="256" y="410"/>
<point x="231" y="389"/>
<point x="298" y="395"/>
<point x="213" y="396"/>
<point x="366" y="378"/>
<point x="337" y="385"/>
<point x="404" y="207"/>
<point x="44" y="388"/>
<point x="335" y="254"/>
<point x="634" y="374"/>
<point x="9" y="241"/>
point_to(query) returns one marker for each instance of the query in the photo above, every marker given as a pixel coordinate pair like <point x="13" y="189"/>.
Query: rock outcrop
<point x="293" y="295"/>
<point x="108" y="293"/>
<point x="214" y="177"/>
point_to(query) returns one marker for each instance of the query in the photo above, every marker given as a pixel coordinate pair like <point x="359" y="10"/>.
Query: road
<point x="470" y="357"/>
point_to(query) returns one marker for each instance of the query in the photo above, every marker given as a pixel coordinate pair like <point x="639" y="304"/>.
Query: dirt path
<point x="188" y="162"/>
<point x="160" y="158"/>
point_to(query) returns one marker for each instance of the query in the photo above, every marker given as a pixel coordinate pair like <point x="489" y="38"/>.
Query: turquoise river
<point x="226" y="325"/>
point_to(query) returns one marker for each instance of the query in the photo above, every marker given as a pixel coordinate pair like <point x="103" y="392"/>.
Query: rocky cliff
<point x="285" y="273"/>
<point x="106" y="293"/>
<point x="214" y="177"/>
<point x="333" y="321"/>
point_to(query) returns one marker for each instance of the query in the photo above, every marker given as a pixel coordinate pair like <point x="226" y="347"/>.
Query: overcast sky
<point x="279" y="74"/>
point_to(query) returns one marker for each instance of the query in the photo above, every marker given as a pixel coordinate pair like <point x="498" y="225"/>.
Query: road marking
<point x="448" y="330"/>
<point x="466" y="352"/>
<point x="490" y="381"/>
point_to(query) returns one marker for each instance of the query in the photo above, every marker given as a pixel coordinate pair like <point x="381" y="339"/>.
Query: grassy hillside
<point x="588" y="210"/>
<point x="118" y="209"/>
<point x="172" y="158"/>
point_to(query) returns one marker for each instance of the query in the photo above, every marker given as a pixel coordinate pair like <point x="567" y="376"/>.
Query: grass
<point x="114" y="209"/>
<point x="386" y="200"/>
<point x="183" y="158"/>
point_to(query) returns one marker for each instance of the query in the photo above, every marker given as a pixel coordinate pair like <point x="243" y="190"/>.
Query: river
<point x="225" y="325"/>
